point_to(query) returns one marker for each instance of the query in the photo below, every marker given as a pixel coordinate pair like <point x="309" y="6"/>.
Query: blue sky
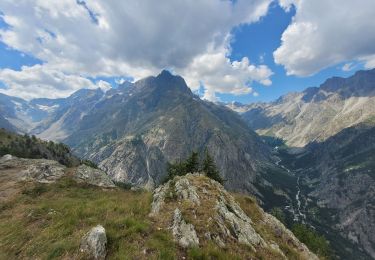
<point x="44" y="56"/>
<point x="258" y="41"/>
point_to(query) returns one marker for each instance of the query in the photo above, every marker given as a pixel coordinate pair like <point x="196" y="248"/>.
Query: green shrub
<point x="278" y="213"/>
<point x="315" y="242"/>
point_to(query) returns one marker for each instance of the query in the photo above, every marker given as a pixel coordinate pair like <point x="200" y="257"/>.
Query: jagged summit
<point x="165" y="74"/>
<point x="164" y="83"/>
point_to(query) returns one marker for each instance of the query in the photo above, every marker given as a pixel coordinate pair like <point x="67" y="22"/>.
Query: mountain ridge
<point x="316" y="113"/>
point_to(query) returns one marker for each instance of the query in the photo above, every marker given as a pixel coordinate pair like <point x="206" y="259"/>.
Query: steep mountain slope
<point x="316" y="113"/>
<point x="134" y="131"/>
<point x="65" y="113"/>
<point x="340" y="173"/>
<point x="19" y="115"/>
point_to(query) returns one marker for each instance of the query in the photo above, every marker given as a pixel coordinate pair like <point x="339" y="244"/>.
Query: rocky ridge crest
<point x="199" y="211"/>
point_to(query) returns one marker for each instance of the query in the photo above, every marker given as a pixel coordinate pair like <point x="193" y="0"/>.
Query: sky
<point x="227" y="50"/>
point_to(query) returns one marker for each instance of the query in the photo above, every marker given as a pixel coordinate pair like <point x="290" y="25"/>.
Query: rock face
<point x="316" y="113"/>
<point x="199" y="210"/>
<point x="93" y="176"/>
<point x="94" y="243"/>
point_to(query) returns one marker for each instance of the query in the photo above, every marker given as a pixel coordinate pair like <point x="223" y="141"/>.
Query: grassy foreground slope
<point x="47" y="221"/>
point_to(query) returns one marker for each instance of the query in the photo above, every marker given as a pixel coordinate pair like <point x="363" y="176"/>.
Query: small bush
<point x="315" y="242"/>
<point x="279" y="214"/>
<point x="89" y="163"/>
<point x="35" y="191"/>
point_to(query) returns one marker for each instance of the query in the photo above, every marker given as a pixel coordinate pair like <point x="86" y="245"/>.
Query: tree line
<point x="25" y="146"/>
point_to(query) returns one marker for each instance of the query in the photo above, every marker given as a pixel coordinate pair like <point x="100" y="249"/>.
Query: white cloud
<point x="348" y="66"/>
<point x="255" y="94"/>
<point x="327" y="32"/>
<point x="220" y="75"/>
<point x="40" y="81"/>
<point x="130" y="38"/>
<point x="210" y="96"/>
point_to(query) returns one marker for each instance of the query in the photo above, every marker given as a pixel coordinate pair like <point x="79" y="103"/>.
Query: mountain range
<point x="309" y="153"/>
<point x="316" y="113"/>
<point x="330" y="133"/>
<point x="134" y="130"/>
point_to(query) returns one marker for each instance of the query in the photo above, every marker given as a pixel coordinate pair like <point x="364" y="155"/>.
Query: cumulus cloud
<point x="218" y="74"/>
<point x="40" y="81"/>
<point x="327" y="32"/>
<point x="127" y="38"/>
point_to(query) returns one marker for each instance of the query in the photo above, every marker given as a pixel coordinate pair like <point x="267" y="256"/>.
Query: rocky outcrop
<point x="93" y="176"/>
<point x="183" y="232"/>
<point x="230" y="217"/>
<point x="199" y="210"/>
<point x="49" y="171"/>
<point x="40" y="170"/>
<point x="94" y="243"/>
<point x="186" y="191"/>
<point x="159" y="196"/>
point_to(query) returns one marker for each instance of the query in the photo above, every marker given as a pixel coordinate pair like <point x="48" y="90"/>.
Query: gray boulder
<point x="41" y="170"/>
<point x="94" y="243"/>
<point x="5" y="158"/>
<point x="93" y="176"/>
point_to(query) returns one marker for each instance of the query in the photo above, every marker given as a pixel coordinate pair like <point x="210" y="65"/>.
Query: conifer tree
<point x="192" y="163"/>
<point x="210" y="168"/>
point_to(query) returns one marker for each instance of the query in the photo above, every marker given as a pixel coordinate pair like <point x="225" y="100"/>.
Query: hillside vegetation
<point x="25" y="146"/>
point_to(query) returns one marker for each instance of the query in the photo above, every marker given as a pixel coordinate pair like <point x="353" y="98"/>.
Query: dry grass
<point x="48" y="221"/>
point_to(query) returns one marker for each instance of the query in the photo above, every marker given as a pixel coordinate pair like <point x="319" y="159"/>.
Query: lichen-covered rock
<point x="94" y="243"/>
<point x="230" y="213"/>
<point x="186" y="191"/>
<point x="158" y="198"/>
<point x="184" y="233"/>
<point x="43" y="171"/>
<point x="49" y="171"/>
<point x="40" y="170"/>
<point x="93" y="176"/>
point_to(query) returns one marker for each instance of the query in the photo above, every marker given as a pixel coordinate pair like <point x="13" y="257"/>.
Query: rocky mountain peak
<point x="165" y="82"/>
